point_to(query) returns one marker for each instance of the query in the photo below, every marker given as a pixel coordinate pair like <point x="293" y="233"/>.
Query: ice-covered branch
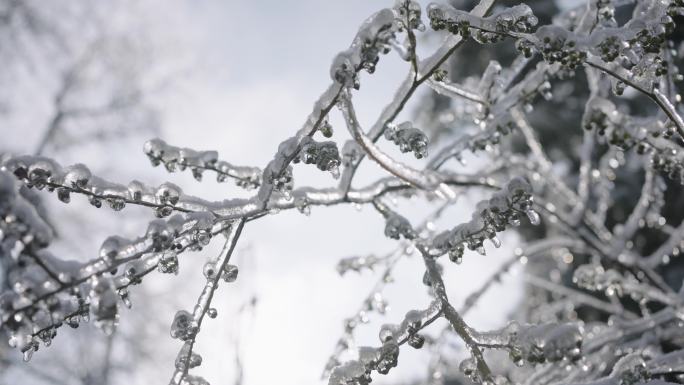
<point x="407" y="88"/>
<point x="428" y="181"/>
<point x="178" y="158"/>
<point x="504" y="209"/>
<point x="186" y="325"/>
<point x="44" y="173"/>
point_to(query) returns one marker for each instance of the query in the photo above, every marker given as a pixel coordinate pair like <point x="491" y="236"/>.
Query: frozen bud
<point x="133" y="271"/>
<point x="168" y="194"/>
<point x="408" y="14"/>
<point x="408" y="138"/>
<point x="416" y="341"/>
<point x="111" y="247"/>
<point x="373" y="38"/>
<point x="209" y="270"/>
<point x="40" y="171"/>
<point x="387" y="332"/>
<point x="456" y="254"/>
<point x="160" y="233"/>
<point x="343" y="70"/>
<point x="154" y="148"/>
<point x="103" y="304"/>
<point x="548" y="342"/>
<point x="168" y="263"/>
<point x="357" y="264"/>
<point x="389" y="355"/>
<point x="397" y="226"/>
<point x="324" y="155"/>
<point x="116" y="204"/>
<point x="187" y="359"/>
<point x="559" y="45"/>
<point x="184" y="326"/>
<point x="598" y="115"/>
<point x="326" y="129"/>
<point x="202" y="237"/>
<point x="125" y="297"/>
<point x="77" y="176"/>
<point x="518" y="187"/>
<point x="230" y="273"/>
<point x="594" y="278"/>
<point x="283" y="182"/>
<point x="469" y="368"/>
<point x="631" y="369"/>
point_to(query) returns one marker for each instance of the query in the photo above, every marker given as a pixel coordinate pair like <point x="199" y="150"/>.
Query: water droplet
<point x="212" y="312"/>
<point x="28" y="353"/>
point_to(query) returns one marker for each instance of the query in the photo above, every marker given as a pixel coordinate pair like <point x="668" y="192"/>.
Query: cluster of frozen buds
<point x="385" y="357"/>
<point x="44" y="173"/>
<point x="48" y="292"/>
<point x="324" y="155"/>
<point x="594" y="277"/>
<point x="23" y="233"/>
<point x="20" y="220"/>
<point x="284" y="182"/>
<point x="495" y="126"/>
<point x="229" y="272"/>
<point x="517" y="19"/>
<point x="542" y="343"/>
<point x="373" y="38"/>
<point x="669" y="162"/>
<point x="407" y="330"/>
<point x="636" y="46"/>
<point x="557" y="45"/>
<point x="645" y="136"/>
<point x="358" y="372"/>
<point x="178" y="158"/>
<point x="377" y="35"/>
<point x="491" y="216"/>
<point x="408" y="15"/>
<point x="534" y="344"/>
<point x="357" y="264"/>
<point x="408" y="138"/>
